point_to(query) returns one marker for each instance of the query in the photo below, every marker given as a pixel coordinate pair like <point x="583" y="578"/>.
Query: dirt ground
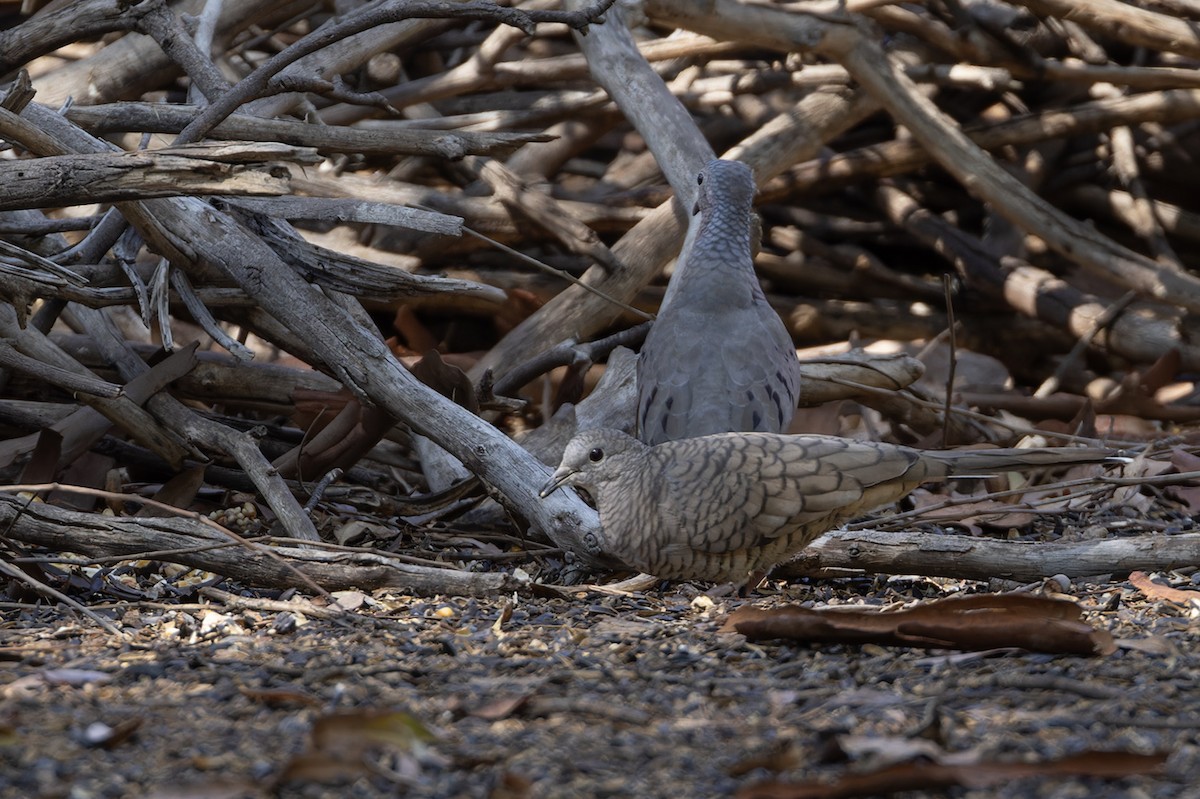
<point x="587" y="695"/>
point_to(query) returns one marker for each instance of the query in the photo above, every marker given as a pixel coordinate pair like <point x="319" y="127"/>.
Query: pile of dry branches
<point x="1037" y="152"/>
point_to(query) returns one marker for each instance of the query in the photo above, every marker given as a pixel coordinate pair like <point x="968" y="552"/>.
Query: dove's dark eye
<point x="596" y="455"/>
<point x="700" y="179"/>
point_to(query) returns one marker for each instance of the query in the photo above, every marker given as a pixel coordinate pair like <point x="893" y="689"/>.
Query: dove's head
<point x="592" y="458"/>
<point x="731" y="183"/>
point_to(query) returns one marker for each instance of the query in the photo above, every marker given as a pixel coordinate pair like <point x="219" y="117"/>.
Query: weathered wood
<point x="201" y="546"/>
<point x="202" y="169"/>
<point x="970" y="558"/>
<point x="449" y="144"/>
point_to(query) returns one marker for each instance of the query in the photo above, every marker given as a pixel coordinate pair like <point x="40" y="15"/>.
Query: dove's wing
<point x="743" y="491"/>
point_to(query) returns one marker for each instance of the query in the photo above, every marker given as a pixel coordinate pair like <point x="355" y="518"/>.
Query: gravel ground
<point x="587" y="695"/>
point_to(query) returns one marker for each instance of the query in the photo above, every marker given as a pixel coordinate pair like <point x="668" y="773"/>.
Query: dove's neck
<point x="715" y="265"/>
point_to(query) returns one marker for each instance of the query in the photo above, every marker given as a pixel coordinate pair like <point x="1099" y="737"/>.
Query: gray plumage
<point x="718" y="358"/>
<point x="723" y="507"/>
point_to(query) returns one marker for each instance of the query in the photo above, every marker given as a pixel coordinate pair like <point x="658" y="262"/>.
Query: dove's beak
<point x="560" y="476"/>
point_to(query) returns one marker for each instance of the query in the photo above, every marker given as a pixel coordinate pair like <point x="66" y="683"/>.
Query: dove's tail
<point x="986" y="462"/>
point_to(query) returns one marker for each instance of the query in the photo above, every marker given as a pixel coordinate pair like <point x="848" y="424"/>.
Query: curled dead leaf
<point x="989" y="621"/>
<point x="925" y="776"/>
<point x="1142" y="582"/>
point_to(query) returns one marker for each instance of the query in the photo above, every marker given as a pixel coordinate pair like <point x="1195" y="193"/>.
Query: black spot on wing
<point x="644" y="411"/>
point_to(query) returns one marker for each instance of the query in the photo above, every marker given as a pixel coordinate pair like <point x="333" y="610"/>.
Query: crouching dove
<point x="717" y="358"/>
<point x="726" y="506"/>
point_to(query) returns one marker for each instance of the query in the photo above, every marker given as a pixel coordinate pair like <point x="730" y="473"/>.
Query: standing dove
<point x="726" y="506"/>
<point x="718" y="358"/>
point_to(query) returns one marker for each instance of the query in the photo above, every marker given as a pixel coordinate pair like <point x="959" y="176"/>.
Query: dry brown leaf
<point x="345" y="600"/>
<point x="417" y="336"/>
<point x="340" y="742"/>
<point x="979" y="622"/>
<point x="344" y="435"/>
<point x="449" y="381"/>
<point x="500" y="708"/>
<point x="314" y="410"/>
<point x="1156" y="645"/>
<point x="1184" y="461"/>
<point x="877" y="751"/>
<point x="824" y="420"/>
<point x="1008" y="510"/>
<point x="973" y="371"/>
<point x="512" y="786"/>
<point x="573" y="384"/>
<point x="358" y="730"/>
<point x="317" y="766"/>
<point x="969" y="513"/>
<point x="75" y="677"/>
<point x="42" y="466"/>
<point x="1142" y="582"/>
<point x="1160" y="373"/>
<point x="925" y="776"/>
<point x="217" y="788"/>
<point x="178" y="492"/>
<point x="519" y="305"/>
<point x="108" y="736"/>
<point x="783" y="756"/>
<point x="279" y="697"/>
